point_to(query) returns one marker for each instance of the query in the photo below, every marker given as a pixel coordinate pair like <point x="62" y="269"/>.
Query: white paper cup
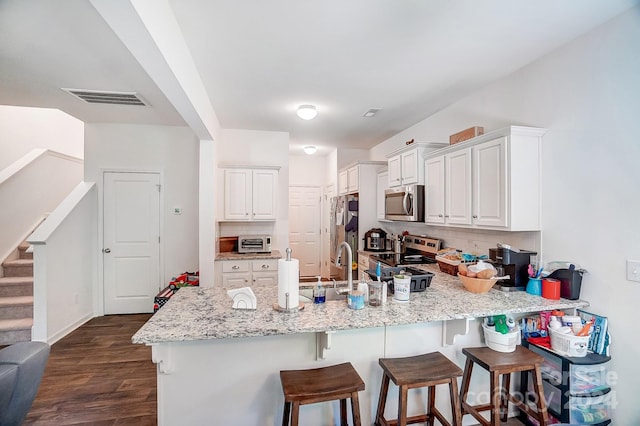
<point x="401" y="288"/>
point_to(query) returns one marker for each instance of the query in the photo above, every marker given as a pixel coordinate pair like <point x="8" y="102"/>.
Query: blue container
<point x="534" y="286"/>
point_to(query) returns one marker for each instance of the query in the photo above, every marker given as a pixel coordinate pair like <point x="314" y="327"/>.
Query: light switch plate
<point x="633" y="270"/>
<point x="177" y="210"/>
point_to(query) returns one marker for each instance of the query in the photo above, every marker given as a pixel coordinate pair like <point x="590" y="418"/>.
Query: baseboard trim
<point x="72" y="327"/>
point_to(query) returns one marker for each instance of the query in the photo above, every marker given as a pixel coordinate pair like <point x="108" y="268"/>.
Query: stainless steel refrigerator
<point x="343" y="227"/>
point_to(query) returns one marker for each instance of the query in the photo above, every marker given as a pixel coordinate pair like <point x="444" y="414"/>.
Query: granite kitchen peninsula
<point x="218" y="365"/>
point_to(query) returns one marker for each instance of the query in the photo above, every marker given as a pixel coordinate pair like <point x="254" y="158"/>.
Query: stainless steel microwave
<point x="404" y="203"/>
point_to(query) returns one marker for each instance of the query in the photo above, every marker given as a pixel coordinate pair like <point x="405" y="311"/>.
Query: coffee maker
<point x="514" y="263"/>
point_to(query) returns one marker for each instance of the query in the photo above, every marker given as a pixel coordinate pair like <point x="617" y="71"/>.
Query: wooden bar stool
<point x="419" y="371"/>
<point x="503" y="364"/>
<point x="303" y="387"/>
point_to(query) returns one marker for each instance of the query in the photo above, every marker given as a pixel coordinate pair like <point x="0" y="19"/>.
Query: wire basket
<point x="568" y="344"/>
<point x="501" y="342"/>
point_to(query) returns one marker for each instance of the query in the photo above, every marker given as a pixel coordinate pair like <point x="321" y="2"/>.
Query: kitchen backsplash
<point x="474" y="241"/>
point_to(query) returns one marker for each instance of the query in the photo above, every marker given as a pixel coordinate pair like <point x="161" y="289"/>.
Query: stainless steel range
<point x="418" y="250"/>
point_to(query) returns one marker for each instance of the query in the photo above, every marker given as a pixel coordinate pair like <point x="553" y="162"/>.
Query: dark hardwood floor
<point x="96" y="376"/>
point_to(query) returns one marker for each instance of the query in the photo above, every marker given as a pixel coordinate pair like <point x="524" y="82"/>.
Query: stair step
<point x="18" y="268"/>
<point x="25" y="250"/>
<point x="16" y="307"/>
<point x="15" y="330"/>
<point x="16" y="286"/>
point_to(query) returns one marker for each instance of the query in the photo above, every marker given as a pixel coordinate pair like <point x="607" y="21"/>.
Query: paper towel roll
<point x="288" y="282"/>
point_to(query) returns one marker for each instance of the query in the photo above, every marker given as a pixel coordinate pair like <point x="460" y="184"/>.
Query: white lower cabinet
<point x="246" y="273"/>
<point x="488" y="182"/>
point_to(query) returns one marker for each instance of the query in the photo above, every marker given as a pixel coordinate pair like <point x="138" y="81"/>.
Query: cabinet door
<point x="237" y="194"/>
<point x="434" y="190"/>
<point x="490" y="180"/>
<point x="265" y="278"/>
<point x="236" y="280"/>
<point x="458" y="187"/>
<point x="352" y="179"/>
<point x="343" y="182"/>
<point x="409" y="167"/>
<point x="395" y="176"/>
<point x="264" y="199"/>
<point x="381" y="185"/>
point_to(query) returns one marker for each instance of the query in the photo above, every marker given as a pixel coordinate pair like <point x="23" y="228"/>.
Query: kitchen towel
<point x="288" y="282"/>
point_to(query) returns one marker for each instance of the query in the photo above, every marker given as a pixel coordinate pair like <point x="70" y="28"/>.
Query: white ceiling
<point x="258" y="60"/>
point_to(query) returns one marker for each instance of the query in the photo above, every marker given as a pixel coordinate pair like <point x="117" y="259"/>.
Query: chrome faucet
<point x="349" y="260"/>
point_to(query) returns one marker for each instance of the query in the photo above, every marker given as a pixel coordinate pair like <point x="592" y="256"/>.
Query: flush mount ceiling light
<point x="307" y="112"/>
<point x="310" y="149"/>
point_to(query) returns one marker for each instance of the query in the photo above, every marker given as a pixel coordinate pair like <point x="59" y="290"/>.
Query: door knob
<point x="106" y="250"/>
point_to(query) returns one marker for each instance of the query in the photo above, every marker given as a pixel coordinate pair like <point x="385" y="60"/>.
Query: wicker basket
<point x="448" y="268"/>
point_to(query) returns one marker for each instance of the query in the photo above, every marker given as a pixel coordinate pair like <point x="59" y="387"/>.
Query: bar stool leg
<point x="431" y="398"/>
<point x="402" y="405"/>
<point x="382" y="400"/>
<point x="456" y="413"/>
<point x="466" y="379"/>
<point x="504" y="404"/>
<point x="295" y="413"/>
<point x="286" y="414"/>
<point x="543" y="416"/>
<point x="355" y="409"/>
<point x="495" y="398"/>
<point x="343" y="412"/>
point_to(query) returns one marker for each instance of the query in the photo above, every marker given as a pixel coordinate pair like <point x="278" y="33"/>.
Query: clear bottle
<point x="319" y="292"/>
<point x="364" y="287"/>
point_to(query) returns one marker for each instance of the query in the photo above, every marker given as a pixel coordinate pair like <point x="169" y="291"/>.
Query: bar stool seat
<point x="503" y="364"/>
<point x="427" y="370"/>
<point x="331" y="383"/>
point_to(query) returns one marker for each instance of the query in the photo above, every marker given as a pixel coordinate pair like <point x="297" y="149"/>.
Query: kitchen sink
<point x="306" y="294"/>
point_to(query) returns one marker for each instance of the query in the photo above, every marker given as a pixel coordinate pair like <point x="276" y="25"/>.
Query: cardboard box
<point x="469" y="133"/>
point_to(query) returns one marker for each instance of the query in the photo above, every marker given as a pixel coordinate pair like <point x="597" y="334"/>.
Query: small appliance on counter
<point x="375" y="240"/>
<point x="515" y="263"/>
<point x="254" y="244"/>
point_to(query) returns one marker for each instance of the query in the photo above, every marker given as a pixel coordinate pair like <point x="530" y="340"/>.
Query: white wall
<point x="23" y="129"/>
<point x="172" y="151"/>
<point x="307" y="170"/>
<point x="260" y="148"/>
<point x="65" y="253"/>
<point x="31" y="191"/>
<point x="588" y="95"/>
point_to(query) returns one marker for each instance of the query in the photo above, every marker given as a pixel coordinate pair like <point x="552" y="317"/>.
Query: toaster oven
<point x="254" y="244"/>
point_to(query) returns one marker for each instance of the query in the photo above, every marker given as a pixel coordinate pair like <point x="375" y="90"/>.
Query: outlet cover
<point x="633" y="270"/>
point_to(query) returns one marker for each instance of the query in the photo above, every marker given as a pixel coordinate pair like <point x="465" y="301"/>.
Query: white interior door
<point x="304" y="228"/>
<point x="131" y="251"/>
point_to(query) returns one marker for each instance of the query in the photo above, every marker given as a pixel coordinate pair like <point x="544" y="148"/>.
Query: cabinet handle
<point x="446" y="215"/>
<point x="235" y="267"/>
<point x="265" y="266"/>
<point x="475" y="216"/>
<point x="439" y="215"/>
<point x="246" y="214"/>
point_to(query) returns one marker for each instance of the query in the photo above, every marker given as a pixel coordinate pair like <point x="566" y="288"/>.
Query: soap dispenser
<point x="319" y="292"/>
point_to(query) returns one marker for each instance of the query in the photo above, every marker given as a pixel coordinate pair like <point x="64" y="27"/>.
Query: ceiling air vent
<point x="111" y="98"/>
<point x="371" y="112"/>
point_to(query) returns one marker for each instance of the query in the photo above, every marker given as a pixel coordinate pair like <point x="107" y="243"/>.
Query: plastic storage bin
<point x="501" y="342"/>
<point x="568" y="344"/>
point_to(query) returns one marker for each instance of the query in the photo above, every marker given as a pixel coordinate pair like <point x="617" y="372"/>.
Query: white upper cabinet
<point x="348" y="180"/>
<point x="488" y="182"/>
<point x="250" y="194"/>
<point x="406" y="165"/>
<point x="448" y="188"/>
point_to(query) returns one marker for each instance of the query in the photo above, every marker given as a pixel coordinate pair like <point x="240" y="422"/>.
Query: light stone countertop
<point x="234" y="255"/>
<point x="196" y="313"/>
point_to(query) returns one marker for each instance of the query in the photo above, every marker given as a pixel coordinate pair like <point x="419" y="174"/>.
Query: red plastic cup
<point x="551" y="288"/>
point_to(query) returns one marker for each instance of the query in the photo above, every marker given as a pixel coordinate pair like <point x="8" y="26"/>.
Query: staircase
<point x="16" y="297"/>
